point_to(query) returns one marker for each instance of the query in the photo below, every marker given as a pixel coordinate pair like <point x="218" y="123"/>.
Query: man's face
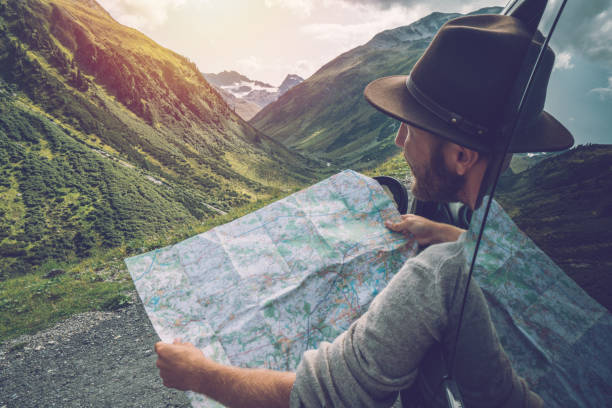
<point x="432" y="180"/>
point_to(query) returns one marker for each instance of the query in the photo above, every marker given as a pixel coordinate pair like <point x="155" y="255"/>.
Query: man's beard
<point x="434" y="182"/>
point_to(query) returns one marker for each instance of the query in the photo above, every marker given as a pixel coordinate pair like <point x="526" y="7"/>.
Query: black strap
<point x="444" y="114"/>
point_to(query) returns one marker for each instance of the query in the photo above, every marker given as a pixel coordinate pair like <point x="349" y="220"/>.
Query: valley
<point x="107" y="137"/>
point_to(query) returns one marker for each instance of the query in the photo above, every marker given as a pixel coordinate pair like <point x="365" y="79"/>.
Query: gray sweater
<point x="399" y="343"/>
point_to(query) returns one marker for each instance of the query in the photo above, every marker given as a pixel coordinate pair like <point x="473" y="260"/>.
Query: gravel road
<point x="96" y="359"/>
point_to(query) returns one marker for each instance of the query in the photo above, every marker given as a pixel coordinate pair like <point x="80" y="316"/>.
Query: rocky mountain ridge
<point x="246" y="96"/>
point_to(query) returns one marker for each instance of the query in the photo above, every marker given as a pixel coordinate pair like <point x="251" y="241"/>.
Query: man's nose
<point x="400" y="138"/>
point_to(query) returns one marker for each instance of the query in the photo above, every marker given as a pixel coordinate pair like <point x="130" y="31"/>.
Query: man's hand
<point x="180" y="364"/>
<point x="424" y="230"/>
<point x="184" y="367"/>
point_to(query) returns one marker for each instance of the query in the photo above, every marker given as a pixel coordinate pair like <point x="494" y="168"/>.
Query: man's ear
<point x="462" y="159"/>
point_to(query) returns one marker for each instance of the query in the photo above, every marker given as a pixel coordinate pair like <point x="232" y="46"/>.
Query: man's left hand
<point x="424" y="230"/>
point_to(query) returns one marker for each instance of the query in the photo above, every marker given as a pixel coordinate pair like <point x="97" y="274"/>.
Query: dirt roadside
<point x="95" y="359"/>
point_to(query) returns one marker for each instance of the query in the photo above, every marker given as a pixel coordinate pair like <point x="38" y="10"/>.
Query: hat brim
<point x="391" y="96"/>
<point x="544" y="134"/>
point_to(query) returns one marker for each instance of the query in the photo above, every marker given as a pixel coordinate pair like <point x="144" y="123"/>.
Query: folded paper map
<point x="261" y="290"/>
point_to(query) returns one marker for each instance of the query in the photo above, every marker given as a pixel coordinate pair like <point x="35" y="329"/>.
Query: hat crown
<point x="471" y="65"/>
<point x="468" y="84"/>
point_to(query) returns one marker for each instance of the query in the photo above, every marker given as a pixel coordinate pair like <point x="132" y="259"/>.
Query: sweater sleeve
<point x="380" y="353"/>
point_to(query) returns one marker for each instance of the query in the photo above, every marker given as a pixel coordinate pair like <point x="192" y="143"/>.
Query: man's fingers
<point x="162" y="349"/>
<point x="391" y="225"/>
<point x="163" y="364"/>
<point x="410" y="241"/>
<point x="397" y="227"/>
<point x="402" y="226"/>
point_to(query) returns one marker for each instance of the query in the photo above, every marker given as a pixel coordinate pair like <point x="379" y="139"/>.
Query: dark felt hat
<point x="461" y="87"/>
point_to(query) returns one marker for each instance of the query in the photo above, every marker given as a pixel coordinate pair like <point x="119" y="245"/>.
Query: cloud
<point x="300" y="7"/>
<point x="586" y="29"/>
<point x="368" y="23"/>
<point x="563" y="61"/>
<point x="257" y="68"/>
<point x="302" y="67"/>
<point x="305" y="7"/>
<point x="250" y="63"/>
<point x="460" y="6"/>
<point x="141" y="14"/>
<point x="358" y="33"/>
<point x="604" y="93"/>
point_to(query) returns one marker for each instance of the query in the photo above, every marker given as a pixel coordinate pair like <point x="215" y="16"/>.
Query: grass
<point x="61" y="197"/>
<point x="101" y="282"/>
<point x="32" y="302"/>
<point x="395" y="167"/>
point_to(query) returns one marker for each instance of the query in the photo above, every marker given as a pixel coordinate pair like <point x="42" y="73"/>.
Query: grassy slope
<point x="395" y="167"/>
<point x="59" y="199"/>
<point x="100" y="282"/>
<point x="106" y="136"/>
<point x="327" y="115"/>
<point x="571" y="227"/>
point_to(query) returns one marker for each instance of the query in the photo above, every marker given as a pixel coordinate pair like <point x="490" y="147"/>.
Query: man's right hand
<point x="184" y="367"/>
<point x="424" y="230"/>
<point x="180" y="365"/>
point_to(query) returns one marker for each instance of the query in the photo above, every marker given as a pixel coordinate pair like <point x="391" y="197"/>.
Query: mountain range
<point x="105" y="136"/>
<point x="247" y="96"/>
<point x="327" y="116"/>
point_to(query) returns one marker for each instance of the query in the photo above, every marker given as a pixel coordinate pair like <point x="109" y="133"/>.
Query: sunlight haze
<point x="268" y="39"/>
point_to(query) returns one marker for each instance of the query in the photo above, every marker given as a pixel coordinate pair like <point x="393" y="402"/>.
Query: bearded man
<point x="451" y="109"/>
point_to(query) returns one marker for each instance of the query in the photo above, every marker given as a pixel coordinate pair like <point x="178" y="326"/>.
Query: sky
<point x="269" y="39"/>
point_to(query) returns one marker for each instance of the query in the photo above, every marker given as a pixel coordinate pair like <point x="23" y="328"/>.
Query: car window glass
<point x="542" y="258"/>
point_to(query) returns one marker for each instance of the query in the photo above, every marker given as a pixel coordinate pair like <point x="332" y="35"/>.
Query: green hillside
<point x="327" y="115"/>
<point x="106" y="136"/>
<point x="60" y="198"/>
